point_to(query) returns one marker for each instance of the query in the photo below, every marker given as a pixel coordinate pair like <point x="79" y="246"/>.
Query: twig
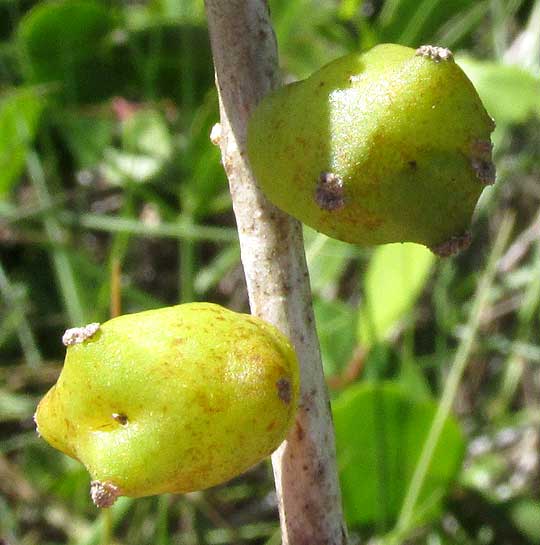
<point x="245" y="58"/>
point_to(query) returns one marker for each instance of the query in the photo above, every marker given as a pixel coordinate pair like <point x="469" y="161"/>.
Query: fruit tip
<point x="435" y="53"/>
<point x="104" y="493"/>
<point x="76" y="335"/>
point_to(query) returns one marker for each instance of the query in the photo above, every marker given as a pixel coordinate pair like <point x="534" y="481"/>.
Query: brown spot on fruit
<point x="284" y="390"/>
<point x="122" y="419"/>
<point x="482" y="162"/>
<point x="329" y="194"/>
<point x="453" y="245"/>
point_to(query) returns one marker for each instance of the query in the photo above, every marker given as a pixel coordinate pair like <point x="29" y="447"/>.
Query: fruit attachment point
<point x="103" y="494"/>
<point x="329" y="194"/>
<point x="77" y="335"/>
<point x="435" y="53"/>
<point x="453" y="246"/>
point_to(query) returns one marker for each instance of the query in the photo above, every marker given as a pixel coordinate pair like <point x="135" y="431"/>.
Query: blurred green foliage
<point x="381" y="428"/>
<point x="20" y="112"/>
<point x="105" y="162"/>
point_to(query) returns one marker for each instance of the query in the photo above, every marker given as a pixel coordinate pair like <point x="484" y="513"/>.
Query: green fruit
<point x="171" y="400"/>
<point x="392" y="145"/>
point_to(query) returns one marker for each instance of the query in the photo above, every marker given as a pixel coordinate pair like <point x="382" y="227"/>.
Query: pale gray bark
<point x="245" y="59"/>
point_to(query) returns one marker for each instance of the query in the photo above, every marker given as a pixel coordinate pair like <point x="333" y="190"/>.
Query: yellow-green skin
<point x="407" y="135"/>
<point x="206" y="393"/>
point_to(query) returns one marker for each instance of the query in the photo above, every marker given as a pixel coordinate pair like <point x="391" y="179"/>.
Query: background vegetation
<point x="107" y="175"/>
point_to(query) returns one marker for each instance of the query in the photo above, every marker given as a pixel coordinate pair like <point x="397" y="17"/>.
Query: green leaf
<point x="326" y="258"/>
<point x="146" y="132"/>
<point x="380" y="432"/>
<point x="511" y="94"/>
<point x="349" y="8"/>
<point x="306" y="43"/>
<point x="171" y="60"/>
<point x="122" y="168"/>
<point x="67" y="43"/>
<point x="336" y="329"/>
<point x="15" y="406"/>
<point x="393" y="281"/>
<point x="525" y="514"/>
<point x="412" y="379"/>
<point x="187" y="10"/>
<point x="410" y="22"/>
<point x="20" y="113"/>
<point x="87" y="136"/>
<point x="146" y="148"/>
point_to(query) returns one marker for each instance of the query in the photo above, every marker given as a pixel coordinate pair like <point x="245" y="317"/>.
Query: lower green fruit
<point x="392" y="145"/>
<point x="171" y="400"/>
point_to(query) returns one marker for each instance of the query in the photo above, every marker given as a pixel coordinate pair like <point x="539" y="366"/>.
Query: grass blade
<point x="406" y="517"/>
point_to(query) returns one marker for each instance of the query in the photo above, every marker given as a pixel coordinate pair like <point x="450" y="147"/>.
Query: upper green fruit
<point x="171" y="400"/>
<point x="392" y="145"/>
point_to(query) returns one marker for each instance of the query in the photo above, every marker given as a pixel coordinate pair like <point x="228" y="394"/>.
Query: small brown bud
<point x="329" y="193"/>
<point x="103" y="494"/>
<point x="452" y="246"/>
